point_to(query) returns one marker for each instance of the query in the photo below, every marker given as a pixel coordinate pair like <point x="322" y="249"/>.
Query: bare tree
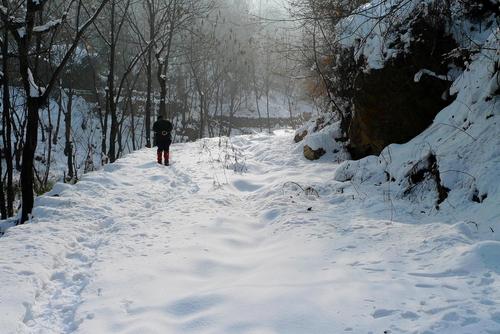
<point x="23" y="30"/>
<point x="6" y="130"/>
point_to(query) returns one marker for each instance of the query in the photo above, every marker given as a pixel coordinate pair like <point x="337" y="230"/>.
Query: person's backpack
<point x="165" y="129"/>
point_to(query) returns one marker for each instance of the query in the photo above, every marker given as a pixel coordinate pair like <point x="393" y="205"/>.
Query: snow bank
<point x="85" y="138"/>
<point x="322" y="134"/>
<point x="464" y="139"/>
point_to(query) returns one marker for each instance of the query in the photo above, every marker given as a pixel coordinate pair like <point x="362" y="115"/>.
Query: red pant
<point x="163" y="149"/>
<point x="159" y="154"/>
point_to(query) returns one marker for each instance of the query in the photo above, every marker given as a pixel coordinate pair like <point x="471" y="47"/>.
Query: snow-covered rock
<point x="321" y="135"/>
<point x="406" y="55"/>
<point x="464" y="141"/>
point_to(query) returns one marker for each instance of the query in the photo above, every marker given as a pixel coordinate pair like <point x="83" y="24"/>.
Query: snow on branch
<point x="47" y="26"/>
<point x="35" y="90"/>
<point x="430" y="73"/>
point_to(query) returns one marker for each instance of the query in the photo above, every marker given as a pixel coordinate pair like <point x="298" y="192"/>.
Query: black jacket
<point x="162" y="129"/>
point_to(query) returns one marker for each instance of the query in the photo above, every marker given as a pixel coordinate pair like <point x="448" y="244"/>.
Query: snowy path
<point x="142" y="248"/>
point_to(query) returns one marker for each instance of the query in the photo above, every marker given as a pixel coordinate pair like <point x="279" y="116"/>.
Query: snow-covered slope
<point x="200" y="248"/>
<point x="463" y="144"/>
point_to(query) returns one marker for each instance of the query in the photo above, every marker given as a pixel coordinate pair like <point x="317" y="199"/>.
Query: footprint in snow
<point x="126" y="304"/>
<point x="245" y="186"/>
<point x="28" y="312"/>
<point x="113" y="167"/>
<point x="26" y="273"/>
<point x="156" y="178"/>
<point x="192" y="305"/>
<point x="380" y="313"/>
<point x="410" y="315"/>
<point x="77" y="256"/>
<point x="148" y="165"/>
<point x="425" y="286"/>
<point x="451" y="316"/>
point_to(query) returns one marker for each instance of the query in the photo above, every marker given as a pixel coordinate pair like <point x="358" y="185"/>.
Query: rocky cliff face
<point x="394" y="64"/>
<point x="397" y="102"/>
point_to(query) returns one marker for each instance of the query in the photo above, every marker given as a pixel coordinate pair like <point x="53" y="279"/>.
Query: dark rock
<point x="389" y="106"/>
<point x="311" y="154"/>
<point x="300" y="136"/>
<point x="427" y="168"/>
<point x="478" y="198"/>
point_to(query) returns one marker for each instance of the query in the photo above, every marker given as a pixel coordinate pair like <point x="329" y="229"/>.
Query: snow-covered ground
<point x="199" y="248"/>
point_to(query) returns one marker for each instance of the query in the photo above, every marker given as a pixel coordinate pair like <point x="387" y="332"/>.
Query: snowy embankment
<point x="199" y="248"/>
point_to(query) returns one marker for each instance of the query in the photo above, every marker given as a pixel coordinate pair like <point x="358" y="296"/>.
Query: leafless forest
<point x="84" y="80"/>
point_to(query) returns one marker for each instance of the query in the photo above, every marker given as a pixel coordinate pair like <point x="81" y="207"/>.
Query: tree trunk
<point x="49" y="149"/>
<point x="27" y="176"/>
<point x="267" y="110"/>
<point x="3" y="207"/>
<point x="216" y="112"/>
<point x="111" y="89"/>
<point x="201" y="115"/>
<point x="147" y="115"/>
<point x="149" y="75"/>
<point x="104" y="131"/>
<point x="258" y="110"/>
<point x="162" y="80"/>
<point x="33" y="105"/>
<point x="113" y="133"/>
<point x="221" y="125"/>
<point x="129" y="105"/>
<point x="7" y="127"/>
<point x="231" y="113"/>
<point x="257" y="96"/>
<point x="68" y="147"/>
<point x="184" y="108"/>
<point x="163" y="66"/>
<point x="120" y="138"/>
<point x="55" y="137"/>
<point x="132" y="124"/>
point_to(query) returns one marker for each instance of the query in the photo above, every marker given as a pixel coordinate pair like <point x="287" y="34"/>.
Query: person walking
<point x="163" y="138"/>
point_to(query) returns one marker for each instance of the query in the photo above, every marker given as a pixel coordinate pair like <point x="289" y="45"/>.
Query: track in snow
<point x="196" y="248"/>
